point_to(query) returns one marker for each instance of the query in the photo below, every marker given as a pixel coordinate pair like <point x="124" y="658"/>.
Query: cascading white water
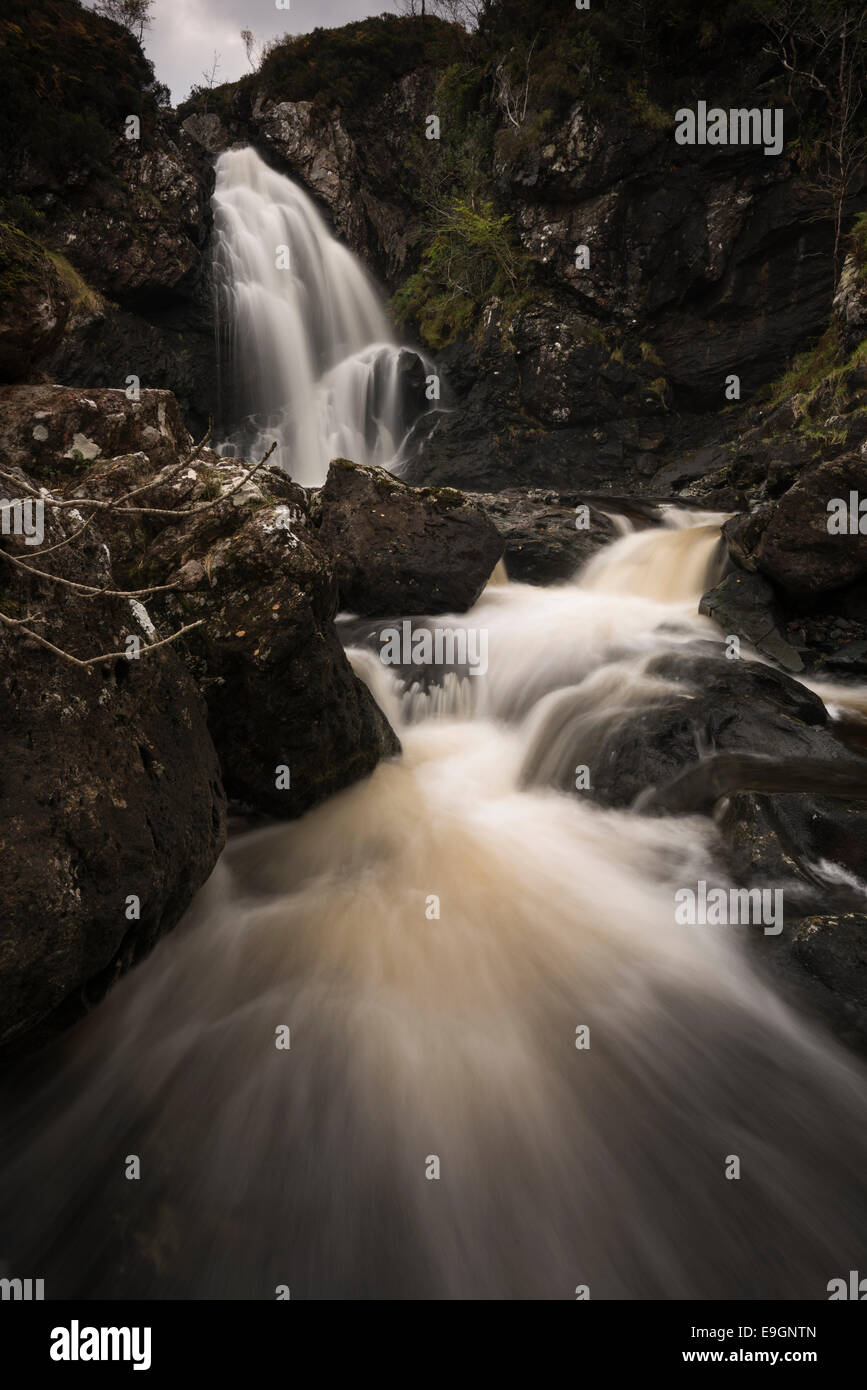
<point x="453" y="1035"/>
<point x="308" y="357"/>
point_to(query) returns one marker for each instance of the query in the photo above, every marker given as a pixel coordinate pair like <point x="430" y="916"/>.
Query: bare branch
<point x="90" y="590"/>
<point x="15" y="625"/>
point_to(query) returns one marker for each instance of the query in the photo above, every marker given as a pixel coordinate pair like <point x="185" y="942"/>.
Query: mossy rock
<point x="34" y="304"/>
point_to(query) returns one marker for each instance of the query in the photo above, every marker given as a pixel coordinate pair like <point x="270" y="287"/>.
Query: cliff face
<point x="96" y="173"/>
<point x="703" y="261"/>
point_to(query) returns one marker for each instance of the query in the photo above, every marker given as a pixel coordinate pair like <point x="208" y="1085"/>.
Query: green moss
<point x="83" y="298"/>
<point x="807" y="371"/>
<point x="22" y="262"/>
<point x="858" y="243"/>
<point x="645" y="110"/>
<point x="472" y="258"/>
<point x="649" y="354"/>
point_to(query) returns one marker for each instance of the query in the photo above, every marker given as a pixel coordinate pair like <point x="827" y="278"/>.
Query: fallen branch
<point x="16" y="625"/>
<point x="90" y="590"/>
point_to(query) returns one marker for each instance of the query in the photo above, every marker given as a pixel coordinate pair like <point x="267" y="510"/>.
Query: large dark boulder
<point x="543" y="543"/>
<point x="398" y="549"/>
<point x="291" y="721"/>
<point x="242" y="559"/>
<point x="744" y="605"/>
<point x="708" y="703"/>
<point x="797" y="550"/>
<point x="55" y="432"/>
<point x="112" y="812"/>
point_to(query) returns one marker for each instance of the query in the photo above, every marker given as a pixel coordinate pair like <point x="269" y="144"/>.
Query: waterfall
<point x="453" y="1035"/>
<point x="306" y="354"/>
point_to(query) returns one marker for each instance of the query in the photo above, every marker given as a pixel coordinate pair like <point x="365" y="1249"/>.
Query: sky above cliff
<point x="185" y="34"/>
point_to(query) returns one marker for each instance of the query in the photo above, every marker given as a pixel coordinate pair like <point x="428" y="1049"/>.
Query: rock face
<point x="799" y="544"/>
<point x="279" y="690"/>
<point x="725" y="706"/>
<point x="850" y="304"/>
<point x="111" y="790"/>
<point x="544" y="543"/>
<point x="111" y="805"/>
<point x="124" y="207"/>
<point x="34" y="305"/>
<point x="291" y="722"/>
<point x="51" y="430"/>
<point x="745" y="605"/>
<point x="402" y="550"/>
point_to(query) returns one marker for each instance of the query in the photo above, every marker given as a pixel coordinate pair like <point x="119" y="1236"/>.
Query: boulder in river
<point x="400" y="549"/>
<point x="112" y="812"/>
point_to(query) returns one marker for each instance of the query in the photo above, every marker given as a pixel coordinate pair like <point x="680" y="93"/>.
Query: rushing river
<point x="436" y="940"/>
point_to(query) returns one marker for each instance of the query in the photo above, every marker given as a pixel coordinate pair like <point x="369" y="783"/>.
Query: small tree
<point x="134" y="15"/>
<point x="250" y="47"/>
<point x="823" y="49"/>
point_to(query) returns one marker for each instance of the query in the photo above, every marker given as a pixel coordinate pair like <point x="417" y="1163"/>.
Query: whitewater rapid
<point x="453" y="1036"/>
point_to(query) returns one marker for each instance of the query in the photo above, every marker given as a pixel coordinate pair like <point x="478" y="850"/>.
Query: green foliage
<point x="20" y="211"/>
<point x="471" y="259"/>
<point x="807" y="371"/>
<point x="22" y="262"/>
<point x="859" y="245"/>
<point x="820" y="388"/>
<point x="82" y="296"/>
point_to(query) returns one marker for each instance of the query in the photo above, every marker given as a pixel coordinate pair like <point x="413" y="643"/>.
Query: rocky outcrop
<point x="112" y="812"/>
<point x="112" y="798"/>
<point x="398" y="549"/>
<point x="118" y="197"/>
<point x="744" y="605"/>
<point x="291" y="722"/>
<point x="709" y="703"/>
<point x="809" y="542"/>
<point x="850" y="303"/>
<point x="34" y="305"/>
<point x="547" y="536"/>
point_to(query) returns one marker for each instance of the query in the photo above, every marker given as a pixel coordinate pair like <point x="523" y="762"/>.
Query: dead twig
<point x="16" y="625"/>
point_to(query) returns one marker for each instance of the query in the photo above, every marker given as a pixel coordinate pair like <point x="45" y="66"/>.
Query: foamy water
<point x="450" y="1034"/>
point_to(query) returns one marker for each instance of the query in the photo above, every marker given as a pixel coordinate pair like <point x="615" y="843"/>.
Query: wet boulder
<point x="56" y="432"/>
<point x="400" y="549"/>
<point x="112" y="812"/>
<point x="809" y="542"/>
<point x="543" y="543"/>
<point x="291" y="721"/>
<point x="745" y="605"/>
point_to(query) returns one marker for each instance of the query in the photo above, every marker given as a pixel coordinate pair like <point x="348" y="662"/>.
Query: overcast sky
<point x="185" y="34"/>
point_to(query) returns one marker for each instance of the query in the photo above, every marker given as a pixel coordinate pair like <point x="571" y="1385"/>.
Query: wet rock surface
<point x="111" y="804"/>
<point x="398" y="549"/>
